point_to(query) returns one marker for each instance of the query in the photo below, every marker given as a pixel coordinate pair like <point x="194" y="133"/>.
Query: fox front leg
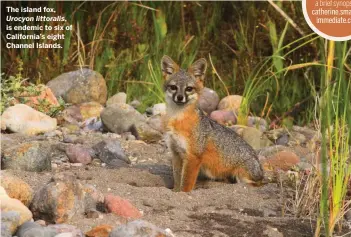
<point x="190" y="171"/>
<point x="177" y="164"/>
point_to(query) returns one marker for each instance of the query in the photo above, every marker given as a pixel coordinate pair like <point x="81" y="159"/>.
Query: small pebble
<point x="41" y="222"/>
<point x="77" y="164"/>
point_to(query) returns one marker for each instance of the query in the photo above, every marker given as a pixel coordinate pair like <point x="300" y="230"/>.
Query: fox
<point x="198" y="144"/>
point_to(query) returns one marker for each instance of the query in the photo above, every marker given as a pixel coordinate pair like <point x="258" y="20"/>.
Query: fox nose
<point x="180" y="98"/>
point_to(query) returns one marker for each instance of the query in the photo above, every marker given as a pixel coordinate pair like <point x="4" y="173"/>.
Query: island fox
<point x="199" y="144"/>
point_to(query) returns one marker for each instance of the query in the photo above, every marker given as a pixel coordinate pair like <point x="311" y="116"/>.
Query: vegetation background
<point x="262" y="50"/>
<point x="125" y="41"/>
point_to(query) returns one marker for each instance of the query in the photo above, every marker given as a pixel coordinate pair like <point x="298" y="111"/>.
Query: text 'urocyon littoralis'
<point x="198" y="143"/>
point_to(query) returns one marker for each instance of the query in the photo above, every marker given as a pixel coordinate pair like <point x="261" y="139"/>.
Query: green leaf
<point x="161" y="24"/>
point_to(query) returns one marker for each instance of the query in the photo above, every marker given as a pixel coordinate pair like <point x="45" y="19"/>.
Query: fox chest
<point x="179" y="136"/>
<point x="177" y="143"/>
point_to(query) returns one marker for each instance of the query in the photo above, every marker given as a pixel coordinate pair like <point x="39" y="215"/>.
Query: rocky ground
<point x="100" y="168"/>
<point x="212" y="209"/>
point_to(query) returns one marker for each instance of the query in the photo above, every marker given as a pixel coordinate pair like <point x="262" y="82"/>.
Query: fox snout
<point x="179" y="99"/>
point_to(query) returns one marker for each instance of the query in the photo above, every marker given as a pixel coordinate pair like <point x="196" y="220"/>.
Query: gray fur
<point x="234" y="151"/>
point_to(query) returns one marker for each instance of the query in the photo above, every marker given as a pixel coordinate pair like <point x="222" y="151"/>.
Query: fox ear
<point x="168" y="66"/>
<point x="198" y="68"/>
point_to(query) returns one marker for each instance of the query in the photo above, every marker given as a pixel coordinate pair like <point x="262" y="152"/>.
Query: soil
<point x="212" y="209"/>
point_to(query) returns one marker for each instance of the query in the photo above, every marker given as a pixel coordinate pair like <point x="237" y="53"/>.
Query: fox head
<point x="182" y="87"/>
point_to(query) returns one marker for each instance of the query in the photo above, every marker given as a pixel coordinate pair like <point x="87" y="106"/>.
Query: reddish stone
<point x="45" y="94"/>
<point x="223" y="117"/>
<point x="283" y="160"/>
<point x="99" y="231"/>
<point x="121" y="207"/>
<point x="78" y="154"/>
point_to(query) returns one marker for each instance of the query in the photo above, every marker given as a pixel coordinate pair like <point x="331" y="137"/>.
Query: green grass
<point x="125" y="41"/>
<point x="335" y="112"/>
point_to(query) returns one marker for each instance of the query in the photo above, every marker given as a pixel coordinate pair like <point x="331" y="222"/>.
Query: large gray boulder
<point x="83" y="85"/>
<point x="121" y="118"/>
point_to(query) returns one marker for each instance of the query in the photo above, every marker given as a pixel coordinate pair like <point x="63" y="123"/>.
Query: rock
<point x="283" y="139"/>
<point x="31" y="156"/>
<point x="306" y="131"/>
<point x="255" y="138"/>
<point x="304" y="166"/>
<point x="32" y="229"/>
<point x="81" y="112"/>
<point x="272" y="150"/>
<point x="135" y="104"/>
<point x="99" y="231"/>
<point x="96" y="195"/>
<point x="257" y="122"/>
<point x="230" y="102"/>
<point x="10" y="220"/>
<point x="239" y="129"/>
<point x="59" y="200"/>
<point x="282" y="136"/>
<point x="92" y="124"/>
<point x="146" y="133"/>
<point x="41" y="222"/>
<point x="41" y="98"/>
<point x="159" y="109"/>
<point x="3" y="125"/>
<point x="64" y="230"/>
<point x="223" y="117"/>
<point x="13" y="213"/>
<point x="283" y="160"/>
<point x="272" y="232"/>
<point x="138" y="228"/>
<point x="50" y="134"/>
<point x="92" y="214"/>
<point x="76" y="87"/>
<point x="148" y="111"/>
<point x="120" y="118"/>
<point x="157" y="122"/>
<point x="208" y="100"/>
<point x="21" y="118"/>
<point x="66" y="234"/>
<point x="17" y="188"/>
<point x="130" y="137"/>
<point x="119" y="98"/>
<point x="78" y="154"/>
<point x="70" y="128"/>
<point x="69" y="139"/>
<point x="296" y="138"/>
<point x="275" y="134"/>
<point x="121" y="207"/>
<point x="111" y="153"/>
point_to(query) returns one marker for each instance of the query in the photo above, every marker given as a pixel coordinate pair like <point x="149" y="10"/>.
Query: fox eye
<point x="189" y="89"/>
<point x="173" y="87"/>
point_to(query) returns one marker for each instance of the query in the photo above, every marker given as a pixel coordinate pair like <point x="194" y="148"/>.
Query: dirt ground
<point x="212" y="209"/>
